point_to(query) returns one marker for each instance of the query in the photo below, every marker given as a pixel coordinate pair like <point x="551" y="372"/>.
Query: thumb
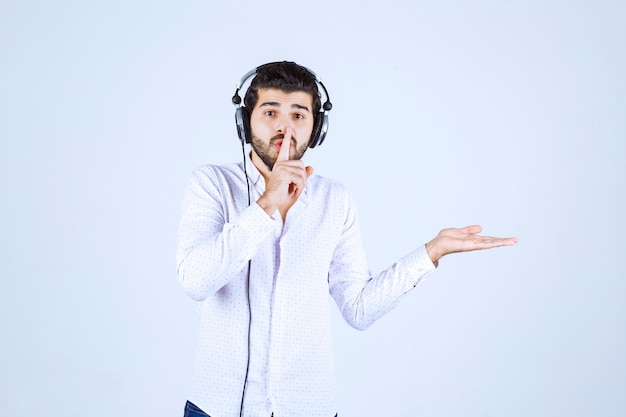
<point x="309" y="171"/>
<point x="472" y="230"/>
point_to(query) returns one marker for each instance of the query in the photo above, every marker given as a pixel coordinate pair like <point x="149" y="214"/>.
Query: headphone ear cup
<point x="320" y="127"/>
<point x="242" y="120"/>
<point x="315" y="133"/>
<point x="247" y="130"/>
<point x="240" y="125"/>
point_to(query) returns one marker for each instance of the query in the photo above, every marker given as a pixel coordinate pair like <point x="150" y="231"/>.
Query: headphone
<point x="242" y="113"/>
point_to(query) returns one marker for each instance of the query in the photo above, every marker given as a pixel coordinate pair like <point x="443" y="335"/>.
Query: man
<point x="263" y="243"/>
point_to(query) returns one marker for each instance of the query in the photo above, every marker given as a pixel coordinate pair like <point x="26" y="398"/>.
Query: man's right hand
<point x="286" y="181"/>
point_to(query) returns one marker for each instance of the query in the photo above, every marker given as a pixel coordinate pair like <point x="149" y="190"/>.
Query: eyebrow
<point x="276" y="104"/>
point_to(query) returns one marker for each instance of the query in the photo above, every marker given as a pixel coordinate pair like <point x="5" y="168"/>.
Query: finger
<point x="292" y="171"/>
<point x="283" y="154"/>
<point x="492" y="242"/>
<point x="300" y="180"/>
<point x="308" y="171"/>
<point x="508" y="241"/>
<point x="472" y="230"/>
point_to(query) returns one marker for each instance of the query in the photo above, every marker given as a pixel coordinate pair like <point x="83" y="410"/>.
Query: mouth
<point x="279" y="143"/>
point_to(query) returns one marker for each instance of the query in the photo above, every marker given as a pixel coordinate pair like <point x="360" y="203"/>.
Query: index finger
<point x="283" y="153"/>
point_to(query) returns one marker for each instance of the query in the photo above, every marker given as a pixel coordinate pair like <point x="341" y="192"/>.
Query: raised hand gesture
<point x="286" y="181"/>
<point x="463" y="240"/>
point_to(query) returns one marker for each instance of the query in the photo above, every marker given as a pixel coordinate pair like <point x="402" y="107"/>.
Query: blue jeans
<point x="192" y="410"/>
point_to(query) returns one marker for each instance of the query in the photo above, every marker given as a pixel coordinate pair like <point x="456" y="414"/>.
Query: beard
<point x="268" y="153"/>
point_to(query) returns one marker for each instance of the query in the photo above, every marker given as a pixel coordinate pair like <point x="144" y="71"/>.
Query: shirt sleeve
<point x="213" y="249"/>
<point x="361" y="297"/>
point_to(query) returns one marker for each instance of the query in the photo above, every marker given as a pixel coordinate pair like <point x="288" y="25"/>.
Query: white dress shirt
<point x="294" y="267"/>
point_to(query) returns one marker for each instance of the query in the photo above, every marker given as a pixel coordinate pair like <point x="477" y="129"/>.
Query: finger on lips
<point x="283" y="153"/>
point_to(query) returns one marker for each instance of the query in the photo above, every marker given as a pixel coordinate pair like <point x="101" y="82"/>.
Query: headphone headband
<point x="242" y="115"/>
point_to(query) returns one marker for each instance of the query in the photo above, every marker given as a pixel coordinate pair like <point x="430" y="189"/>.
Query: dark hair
<point x="285" y="76"/>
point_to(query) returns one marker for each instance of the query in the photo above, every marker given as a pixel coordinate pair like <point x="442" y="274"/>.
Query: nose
<point x="282" y="123"/>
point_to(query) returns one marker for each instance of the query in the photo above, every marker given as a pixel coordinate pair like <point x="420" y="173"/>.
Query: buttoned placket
<point x="272" y="323"/>
<point x="258" y="186"/>
<point x="277" y="322"/>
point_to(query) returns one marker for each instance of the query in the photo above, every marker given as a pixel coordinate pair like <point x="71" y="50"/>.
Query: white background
<point x="509" y="114"/>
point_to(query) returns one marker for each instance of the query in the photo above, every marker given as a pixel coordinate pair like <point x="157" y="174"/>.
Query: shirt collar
<point x="254" y="175"/>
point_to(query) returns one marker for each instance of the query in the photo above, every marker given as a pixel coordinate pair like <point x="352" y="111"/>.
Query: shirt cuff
<point x="255" y="221"/>
<point x="418" y="265"/>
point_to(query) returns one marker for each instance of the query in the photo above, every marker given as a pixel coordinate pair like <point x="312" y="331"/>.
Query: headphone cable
<point x="245" y="382"/>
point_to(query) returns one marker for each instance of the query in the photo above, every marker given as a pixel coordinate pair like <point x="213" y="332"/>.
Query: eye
<point x="270" y="113"/>
<point x="298" y="116"/>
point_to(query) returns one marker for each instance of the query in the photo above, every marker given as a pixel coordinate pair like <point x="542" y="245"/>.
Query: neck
<point x="260" y="165"/>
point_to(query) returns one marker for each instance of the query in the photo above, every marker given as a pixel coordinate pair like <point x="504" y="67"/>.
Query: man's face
<point x="274" y="112"/>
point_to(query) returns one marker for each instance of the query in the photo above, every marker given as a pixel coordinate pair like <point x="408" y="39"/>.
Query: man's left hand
<point x="463" y="240"/>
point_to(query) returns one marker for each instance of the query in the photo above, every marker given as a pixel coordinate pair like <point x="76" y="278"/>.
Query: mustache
<point x="282" y="136"/>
